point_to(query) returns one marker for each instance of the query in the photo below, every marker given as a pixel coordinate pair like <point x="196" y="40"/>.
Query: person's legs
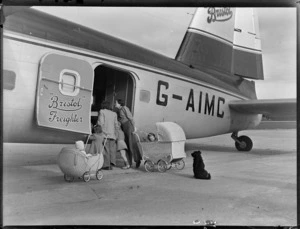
<point x="135" y="150"/>
<point x="127" y="133"/>
<point x="110" y="156"/>
<point x="106" y="157"/>
<point x="112" y="151"/>
<point x="123" y="154"/>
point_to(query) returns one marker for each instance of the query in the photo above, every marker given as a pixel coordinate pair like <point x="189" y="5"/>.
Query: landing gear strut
<point x="242" y="143"/>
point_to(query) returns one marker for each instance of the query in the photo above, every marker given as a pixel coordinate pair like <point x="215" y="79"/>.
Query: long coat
<point x="108" y="120"/>
<point x="109" y="123"/>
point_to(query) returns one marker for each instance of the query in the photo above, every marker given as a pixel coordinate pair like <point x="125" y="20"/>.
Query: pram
<point x="166" y="151"/>
<point x="74" y="163"/>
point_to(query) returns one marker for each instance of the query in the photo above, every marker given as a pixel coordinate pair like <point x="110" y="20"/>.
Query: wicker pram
<point x="73" y="163"/>
<point x="166" y="151"/>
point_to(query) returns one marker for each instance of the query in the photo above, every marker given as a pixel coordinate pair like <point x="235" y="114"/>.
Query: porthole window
<point x="69" y="82"/>
<point x="145" y="96"/>
<point x="9" y="79"/>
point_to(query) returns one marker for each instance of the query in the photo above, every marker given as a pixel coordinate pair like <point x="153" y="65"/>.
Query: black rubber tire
<point x="180" y="164"/>
<point x="162" y="166"/>
<point x="248" y="144"/>
<point x="149" y="166"/>
<point x="99" y="174"/>
<point x="68" y="178"/>
<point x="86" y="177"/>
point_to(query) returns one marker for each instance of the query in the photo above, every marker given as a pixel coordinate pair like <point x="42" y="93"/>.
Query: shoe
<point x="107" y="168"/>
<point x="126" y="167"/>
<point x="137" y="164"/>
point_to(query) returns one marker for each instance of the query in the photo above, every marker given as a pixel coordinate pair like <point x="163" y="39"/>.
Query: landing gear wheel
<point x="162" y="166"/>
<point x="180" y="164"/>
<point x="99" y="174"/>
<point x="149" y="166"/>
<point x="246" y="144"/>
<point x="68" y="178"/>
<point x="86" y="176"/>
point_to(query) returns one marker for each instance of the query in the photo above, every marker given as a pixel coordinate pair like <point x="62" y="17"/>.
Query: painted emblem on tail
<point x="219" y="14"/>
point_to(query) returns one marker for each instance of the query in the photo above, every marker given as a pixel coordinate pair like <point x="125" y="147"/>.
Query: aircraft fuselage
<point x="50" y="87"/>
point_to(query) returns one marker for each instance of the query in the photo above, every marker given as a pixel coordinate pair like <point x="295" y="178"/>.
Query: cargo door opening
<point x="111" y="84"/>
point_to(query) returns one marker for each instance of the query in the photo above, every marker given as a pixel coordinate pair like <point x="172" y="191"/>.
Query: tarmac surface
<point x="256" y="188"/>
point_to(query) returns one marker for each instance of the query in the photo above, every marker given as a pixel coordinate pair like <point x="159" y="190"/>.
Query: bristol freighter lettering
<point x="208" y="104"/>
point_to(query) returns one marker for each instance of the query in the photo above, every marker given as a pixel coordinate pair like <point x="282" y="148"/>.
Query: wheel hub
<point x="243" y="145"/>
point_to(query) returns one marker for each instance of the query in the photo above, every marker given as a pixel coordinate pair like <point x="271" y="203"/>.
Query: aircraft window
<point x="69" y="82"/>
<point x="145" y="96"/>
<point x="9" y="79"/>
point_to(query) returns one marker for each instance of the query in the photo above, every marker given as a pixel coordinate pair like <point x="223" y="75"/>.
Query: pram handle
<point x="88" y="138"/>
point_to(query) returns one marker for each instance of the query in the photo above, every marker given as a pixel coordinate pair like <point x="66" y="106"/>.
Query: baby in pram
<point x="151" y="137"/>
<point x="80" y="146"/>
<point x="143" y="136"/>
<point x="75" y="162"/>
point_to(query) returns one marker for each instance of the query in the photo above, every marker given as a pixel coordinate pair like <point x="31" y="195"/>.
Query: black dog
<point x="198" y="166"/>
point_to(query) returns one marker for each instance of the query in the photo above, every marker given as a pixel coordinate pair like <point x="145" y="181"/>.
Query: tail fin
<point x="225" y="40"/>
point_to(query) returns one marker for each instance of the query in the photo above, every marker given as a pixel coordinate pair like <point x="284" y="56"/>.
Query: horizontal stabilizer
<point x="274" y="109"/>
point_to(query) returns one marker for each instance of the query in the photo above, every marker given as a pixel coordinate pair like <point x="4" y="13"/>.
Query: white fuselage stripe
<point x="245" y="49"/>
<point x="210" y="35"/>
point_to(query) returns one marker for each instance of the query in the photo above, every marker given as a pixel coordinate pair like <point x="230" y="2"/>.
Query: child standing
<point x="97" y="141"/>
<point x="121" y="146"/>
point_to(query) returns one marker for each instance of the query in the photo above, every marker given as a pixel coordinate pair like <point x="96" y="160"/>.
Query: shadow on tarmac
<point x="229" y="149"/>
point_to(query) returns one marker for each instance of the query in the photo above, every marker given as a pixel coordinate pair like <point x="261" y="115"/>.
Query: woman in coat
<point x="108" y="121"/>
<point x="126" y="119"/>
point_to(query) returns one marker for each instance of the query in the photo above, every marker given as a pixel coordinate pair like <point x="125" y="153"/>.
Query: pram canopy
<point x="169" y="144"/>
<point x="169" y="132"/>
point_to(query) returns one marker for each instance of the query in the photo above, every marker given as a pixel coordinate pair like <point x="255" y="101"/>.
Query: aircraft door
<point x="110" y="88"/>
<point x="118" y="85"/>
<point x="110" y="84"/>
<point x="123" y="89"/>
<point x="64" y="93"/>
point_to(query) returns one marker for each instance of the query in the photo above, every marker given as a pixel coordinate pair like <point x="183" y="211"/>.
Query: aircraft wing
<point x="274" y="109"/>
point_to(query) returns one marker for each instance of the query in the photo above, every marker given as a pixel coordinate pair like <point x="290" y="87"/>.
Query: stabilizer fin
<point x="247" y="54"/>
<point x="224" y="40"/>
<point x="275" y="109"/>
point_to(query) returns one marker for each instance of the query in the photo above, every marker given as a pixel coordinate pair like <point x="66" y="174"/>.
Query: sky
<point x="162" y="29"/>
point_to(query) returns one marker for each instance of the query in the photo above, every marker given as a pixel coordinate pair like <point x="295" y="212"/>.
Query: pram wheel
<point x="149" y="166"/>
<point x="99" y="174"/>
<point x="180" y="164"/>
<point x="162" y="166"/>
<point x="86" y="176"/>
<point x="68" y="178"/>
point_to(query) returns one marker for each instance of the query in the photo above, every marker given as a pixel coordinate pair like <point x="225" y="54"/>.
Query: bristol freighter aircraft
<point x="56" y="73"/>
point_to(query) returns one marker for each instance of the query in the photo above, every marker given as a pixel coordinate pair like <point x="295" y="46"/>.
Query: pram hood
<point x="169" y="132"/>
